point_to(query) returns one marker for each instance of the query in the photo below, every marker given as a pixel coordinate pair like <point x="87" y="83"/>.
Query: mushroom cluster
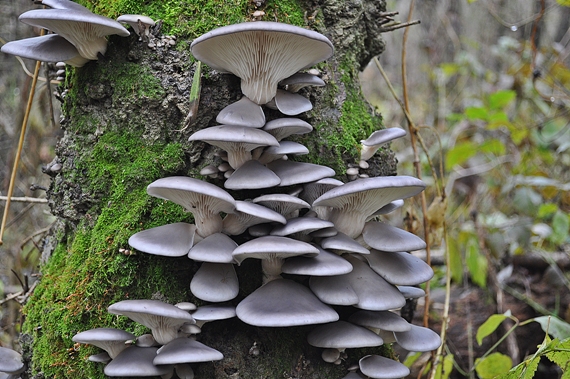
<point x="79" y="34"/>
<point x="305" y="225"/>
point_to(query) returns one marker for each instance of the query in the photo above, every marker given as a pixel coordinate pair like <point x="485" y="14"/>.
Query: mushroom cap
<point x="214" y="312"/>
<point x="418" y="339"/>
<point x="109" y="339"/>
<point x="237" y="141"/>
<point x="261" y="53"/>
<point x="378" y="367"/>
<point x="85" y="30"/>
<point x="163" y="319"/>
<point x="10" y="361"/>
<point x="103" y="357"/>
<point x="269" y="247"/>
<point x="342" y="243"/>
<point x="324" y="264"/>
<point x="133" y="21"/>
<point x="291" y="172"/>
<point x="186" y="350"/>
<point x="215" y="282"/>
<point x="285" y="147"/>
<point x="136" y="361"/>
<point x="282" y="128"/>
<point x="384" y="320"/>
<point x="343" y="335"/>
<point x="172" y="240"/>
<point x="334" y="290"/>
<point x="410" y="292"/>
<point x="300" y="225"/>
<point x="243" y="112"/>
<point x="65" y="4"/>
<point x="282" y="303"/>
<point x="282" y="203"/>
<point x="311" y="191"/>
<point x="216" y="248"/>
<point x="248" y="214"/>
<point x="374" y="293"/>
<point x="299" y="80"/>
<point x="252" y="175"/>
<point x="384" y="237"/>
<point x="203" y="199"/>
<point x="355" y="201"/>
<point x="380" y="137"/>
<point x="399" y="268"/>
<point x="291" y="104"/>
<point x="48" y="48"/>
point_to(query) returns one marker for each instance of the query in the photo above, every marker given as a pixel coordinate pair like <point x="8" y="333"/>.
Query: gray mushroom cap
<point x="85" y="30"/>
<point x="300" y="226"/>
<point x="281" y="203"/>
<point x="384" y="237"/>
<point x="324" y="264"/>
<point x="377" y="139"/>
<point x="243" y="112"/>
<point x="418" y="339"/>
<point x="103" y="357"/>
<point x="390" y="207"/>
<point x="186" y="350"/>
<point x="341" y="243"/>
<point x="242" y="49"/>
<point x="301" y="79"/>
<point x="334" y="290"/>
<point x="48" y="48"/>
<point x="342" y="335"/>
<point x="355" y="201"/>
<point x="65" y="4"/>
<point x="215" y="282"/>
<point x="163" y="319"/>
<point x="282" y="128"/>
<point x="134" y="19"/>
<point x="203" y="199"/>
<point x="268" y="246"/>
<point x="399" y="268"/>
<point x="291" y="104"/>
<point x="378" y="367"/>
<point x="213" y="312"/>
<point x="237" y="141"/>
<point x="312" y="191"/>
<point x="109" y="339"/>
<point x="384" y="320"/>
<point x="216" y="248"/>
<point x="248" y="214"/>
<point x="252" y="175"/>
<point x="172" y="240"/>
<point x="410" y="292"/>
<point x="285" y="147"/>
<point x="10" y="361"/>
<point x="283" y="303"/>
<point x="292" y="173"/>
<point x="136" y="362"/>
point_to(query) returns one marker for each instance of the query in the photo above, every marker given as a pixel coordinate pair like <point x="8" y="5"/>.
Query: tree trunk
<point x="122" y="124"/>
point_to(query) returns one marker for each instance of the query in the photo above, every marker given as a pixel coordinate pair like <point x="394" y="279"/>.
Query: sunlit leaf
<point x="524" y="370"/>
<point x="476" y="113"/>
<point x="560" y="354"/>
<point x="493" y="146"/>
<point x="460" y="153"/>
<point x="444" y="367"/>
<point x="449" y="69"/>
<point x="546" y="210"/>
<point x="476" y="263"/>
<point x="554" y="326"/>
<point x="564" y="3"/>
<point x="411" y="359"/>
<point x="560" y="228"/>
<point x="489" y="326"/>
<point x="501" y="99"/>
<point x="492" y="365"/>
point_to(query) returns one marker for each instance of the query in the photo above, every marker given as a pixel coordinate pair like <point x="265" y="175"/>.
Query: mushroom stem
<point x="271" y="269"/>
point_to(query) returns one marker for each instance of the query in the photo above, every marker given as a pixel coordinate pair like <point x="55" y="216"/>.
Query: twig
<point x="389" y="28"/>
<point x="41" y="231"/>
<point x="25" y="199"/>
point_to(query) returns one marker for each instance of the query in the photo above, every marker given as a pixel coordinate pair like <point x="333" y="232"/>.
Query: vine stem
<point x="19" y="150"/>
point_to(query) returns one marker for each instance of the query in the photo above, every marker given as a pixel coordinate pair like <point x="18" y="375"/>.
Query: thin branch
<point x="25" y="199"/>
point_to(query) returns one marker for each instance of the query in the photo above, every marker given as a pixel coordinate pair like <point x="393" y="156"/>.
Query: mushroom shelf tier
<point x="318" y="238"/>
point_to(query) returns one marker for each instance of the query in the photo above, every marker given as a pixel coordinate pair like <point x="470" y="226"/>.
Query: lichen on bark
<point x="122" y="130"/>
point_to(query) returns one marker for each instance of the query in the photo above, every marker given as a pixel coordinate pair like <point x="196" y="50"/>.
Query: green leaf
<point x="444" y="368"/>
<point x="492" y="365"/>
<point x="564" y="3"/>
<point x="411" y="359"/>
<point x="456" y="263"/>
<point x="449" y="69"/>
<point x="493" y="146"/>
<point x="476" y="263"/>
<point x="460" y="153"/>
<point x="560" y="354"/>
<point x="476" y="113"/>
<point x="524" y="370"/>
<point x="501" y="99"/>
<point x="554" y="326"/>
<point x="489" y="326"/>
<point x="547" y="210"/>
<point x="560" y="228"/>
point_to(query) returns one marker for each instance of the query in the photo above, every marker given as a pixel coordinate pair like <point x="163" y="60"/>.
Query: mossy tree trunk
<point x="122" y="130"/>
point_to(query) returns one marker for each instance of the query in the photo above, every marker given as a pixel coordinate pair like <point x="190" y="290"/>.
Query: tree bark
<point x="122" y="124"/>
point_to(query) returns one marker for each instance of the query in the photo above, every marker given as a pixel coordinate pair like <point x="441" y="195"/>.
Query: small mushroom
<point x="378" y="367"/>
<point x="215" y="282"/>
<point x="377" y="139"/>
<point x="48" y="48"/>
<point x="109" y="339"/>
<point x="136" y="361"/>
<point x="10" y="361"/>
<point x="172" y="240"/>
<point x="248" y="214"/>
<point x="136" y="21"/>
<point x="301" y="79"/>
<point x="186" y="350"/>
<point x="243" y="112"/>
